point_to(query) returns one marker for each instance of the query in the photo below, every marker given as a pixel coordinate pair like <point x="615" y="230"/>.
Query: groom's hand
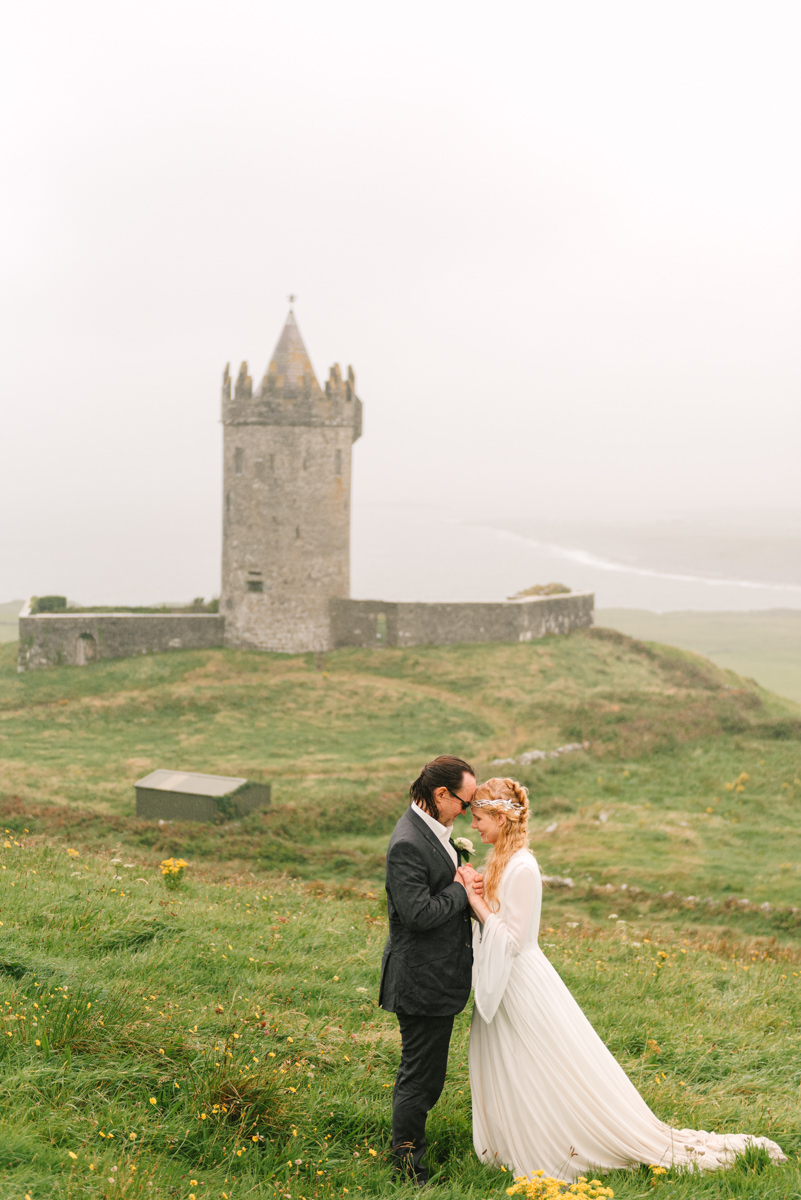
<point x="464" y="876"/>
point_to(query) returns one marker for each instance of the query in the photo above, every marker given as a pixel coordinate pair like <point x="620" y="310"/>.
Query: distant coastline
<point x="587" y="558"/>
<point x="428" y="553"/>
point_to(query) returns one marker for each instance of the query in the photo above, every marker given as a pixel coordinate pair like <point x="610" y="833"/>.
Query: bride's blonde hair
<point x="509" y="798"/>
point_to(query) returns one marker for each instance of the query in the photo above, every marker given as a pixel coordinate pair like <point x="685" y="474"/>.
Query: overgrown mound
<point x="340" y="736"/>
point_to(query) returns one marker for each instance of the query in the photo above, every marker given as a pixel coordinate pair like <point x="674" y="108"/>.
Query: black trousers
<point x="418" y="1086"/>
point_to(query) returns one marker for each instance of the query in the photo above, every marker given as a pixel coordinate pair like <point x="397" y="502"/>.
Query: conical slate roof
<point x="290" y="359"/>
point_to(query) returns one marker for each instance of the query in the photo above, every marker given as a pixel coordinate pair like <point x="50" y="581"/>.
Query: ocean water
<point x="407" y="552"/>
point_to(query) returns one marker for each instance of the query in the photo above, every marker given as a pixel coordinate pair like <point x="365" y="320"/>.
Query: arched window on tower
<point x="239" y="460"/>
<point x="337" y="462"/>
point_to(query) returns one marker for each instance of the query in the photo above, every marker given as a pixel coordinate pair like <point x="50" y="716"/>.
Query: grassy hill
<point x="762" y="645"/>
<point x="233" y="1037"/>
<point x="340" y="738"/>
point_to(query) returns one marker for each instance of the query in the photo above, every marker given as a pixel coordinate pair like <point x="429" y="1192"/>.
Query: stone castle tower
<point x="286" y="546"/>
<point x="286" y="500"/>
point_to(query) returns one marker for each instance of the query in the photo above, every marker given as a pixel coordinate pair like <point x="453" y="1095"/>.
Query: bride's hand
<point x="468" y="879"/>
<point x="474" y="886"/>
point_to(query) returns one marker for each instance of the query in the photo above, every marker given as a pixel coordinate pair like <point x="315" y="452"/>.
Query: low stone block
<point x="187" y="796"/>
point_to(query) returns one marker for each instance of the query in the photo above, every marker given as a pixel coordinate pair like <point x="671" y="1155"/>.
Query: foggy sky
<point x="558" y="241"/>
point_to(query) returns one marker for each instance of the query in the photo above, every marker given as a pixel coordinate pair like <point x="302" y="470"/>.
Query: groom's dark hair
<point x="445" y="771"/>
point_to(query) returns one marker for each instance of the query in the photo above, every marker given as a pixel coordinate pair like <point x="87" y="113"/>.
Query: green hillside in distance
<point x="762" y="645"/>
<point x="690" y="783"/>
<point x="9" y="627"/>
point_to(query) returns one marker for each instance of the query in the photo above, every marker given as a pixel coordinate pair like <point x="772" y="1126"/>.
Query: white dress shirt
<point x="443" y="832"/>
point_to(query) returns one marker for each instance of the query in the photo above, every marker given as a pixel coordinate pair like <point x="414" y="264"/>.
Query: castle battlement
<point x="289" y="393"/>
<point x="336" y="386"/>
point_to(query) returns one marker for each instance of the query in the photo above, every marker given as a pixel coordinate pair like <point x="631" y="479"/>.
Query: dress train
<point x="547" y="1093"/>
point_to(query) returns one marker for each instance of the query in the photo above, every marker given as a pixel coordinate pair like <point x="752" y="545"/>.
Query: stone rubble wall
<point x="399" y="623"/>
<point x="77" y="639"/>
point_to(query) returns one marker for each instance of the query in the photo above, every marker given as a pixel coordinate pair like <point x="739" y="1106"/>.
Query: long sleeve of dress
<point x="503" y="936"/>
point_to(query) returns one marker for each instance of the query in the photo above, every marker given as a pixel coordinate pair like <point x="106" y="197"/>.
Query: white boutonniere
<point x="465" y="847"/>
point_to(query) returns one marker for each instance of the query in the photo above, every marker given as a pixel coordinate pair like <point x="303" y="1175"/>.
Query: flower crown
<point x="504" y="805"/>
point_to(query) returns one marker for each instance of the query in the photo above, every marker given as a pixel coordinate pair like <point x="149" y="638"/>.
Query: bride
<point x="547" y="1094"/>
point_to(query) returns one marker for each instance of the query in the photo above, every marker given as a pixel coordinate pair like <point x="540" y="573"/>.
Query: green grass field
<point x="760" y="645"/>
<point x="224" y="1040"/>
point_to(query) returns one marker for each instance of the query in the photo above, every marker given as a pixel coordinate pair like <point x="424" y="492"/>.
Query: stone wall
<point x="75" y="639"/>
<point x="398" y="623"/>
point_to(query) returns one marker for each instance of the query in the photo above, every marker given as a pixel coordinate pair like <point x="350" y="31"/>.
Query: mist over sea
<point x="425" y="552"/>
<point x="706" y="564"/>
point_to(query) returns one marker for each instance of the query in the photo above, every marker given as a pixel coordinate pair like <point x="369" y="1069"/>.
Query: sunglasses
<point x="464" y="803"/>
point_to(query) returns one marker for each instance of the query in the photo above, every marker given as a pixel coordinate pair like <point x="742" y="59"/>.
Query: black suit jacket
<point x="428" y="959"/>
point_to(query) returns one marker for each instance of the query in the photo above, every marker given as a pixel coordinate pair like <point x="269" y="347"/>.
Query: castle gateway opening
<point x="86" y="650"/>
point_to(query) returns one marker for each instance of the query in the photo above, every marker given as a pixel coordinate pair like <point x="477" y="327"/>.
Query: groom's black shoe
<point x="419" y="1180"/>
<point x="408" y="1168"/>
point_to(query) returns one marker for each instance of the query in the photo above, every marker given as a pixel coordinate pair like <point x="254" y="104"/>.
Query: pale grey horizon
<point x="559" y="243"/>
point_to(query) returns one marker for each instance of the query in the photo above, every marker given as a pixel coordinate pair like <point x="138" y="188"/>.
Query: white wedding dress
<point x="547" y="1094"/>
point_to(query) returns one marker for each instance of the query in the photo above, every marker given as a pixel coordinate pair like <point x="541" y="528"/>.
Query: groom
<point x="427" y="965"/>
